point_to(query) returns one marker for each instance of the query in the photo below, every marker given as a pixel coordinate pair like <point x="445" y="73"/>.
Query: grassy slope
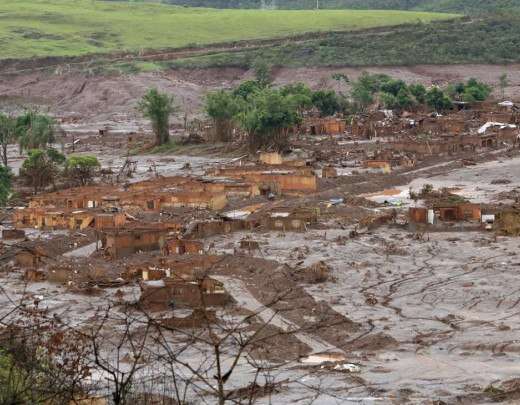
<point x="493" y="40"/>
<point x="459" y="6"/>
<point x="77" y="27"/>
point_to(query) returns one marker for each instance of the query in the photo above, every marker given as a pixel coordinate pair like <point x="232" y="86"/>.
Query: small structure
<point x="384" y="165"/>
<point x="183" y="247"/>
<point x="124" y="242"/>
<point x="507" y="222"/>
<point x="172" y="292"/>
<point x="445" y="212"/>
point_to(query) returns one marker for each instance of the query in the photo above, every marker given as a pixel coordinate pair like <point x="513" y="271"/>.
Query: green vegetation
<point x="268" y="118"/>
<point x="327" y="102"/>
<point x="41" y="168"/>
<point x="7" y="134"/>
<point x="34" y="130"/>
<point x="459" y="6"/>
<point x="397" y="95"/>
<point x="492" y="40"/>
<point x="469" y="92"/>
<point x="437" y="100"/>
<point x="157" y="107"/>
<point x="5" y="184"/>
<point x="221" y="106"/>
<point x="267" y="114"/>
<point x="81" y="169"/>
<point x="78" y="27"/>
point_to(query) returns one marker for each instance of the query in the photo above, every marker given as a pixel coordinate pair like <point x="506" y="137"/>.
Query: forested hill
<point x="463" y="6"/>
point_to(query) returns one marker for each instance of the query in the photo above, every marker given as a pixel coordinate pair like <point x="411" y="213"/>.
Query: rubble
<point x="335" y="265"/>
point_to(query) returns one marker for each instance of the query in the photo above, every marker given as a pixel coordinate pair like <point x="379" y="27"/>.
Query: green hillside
<point x="459" y="6"/>
<point x="492" y="40"/>
<point x="77" y="27"/>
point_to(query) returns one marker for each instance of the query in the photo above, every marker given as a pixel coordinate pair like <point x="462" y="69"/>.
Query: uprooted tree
<point x="157" y="107"/>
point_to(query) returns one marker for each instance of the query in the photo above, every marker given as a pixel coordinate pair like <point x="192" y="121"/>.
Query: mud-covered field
<point x="113" y="98"/>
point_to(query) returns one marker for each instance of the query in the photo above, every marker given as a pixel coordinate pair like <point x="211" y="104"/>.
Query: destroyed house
<point x="444" y="125"/>
<point x="324" y="126"/>
<point x="458" y="212"/>
<point x="66" y="219"/>
<point x="165" y="185"/>
<point x="282" y="179"/>
<point x="173" y="292"/>
<point x="508" y="222"/>
<point x="287" y="220"/>
<point x="206" y="229"/>
<point x="383" y="165"/>
<point x="445" y="212"/>
<point x="200" y="200"/>
<point x="33" y="254"/>
<point x="74" y="198"/>
<point x="183" y="247"/>
<point x="124" y="242"/>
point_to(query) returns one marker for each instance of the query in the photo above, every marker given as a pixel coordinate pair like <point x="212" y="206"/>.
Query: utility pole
<point x="317" y="4"/>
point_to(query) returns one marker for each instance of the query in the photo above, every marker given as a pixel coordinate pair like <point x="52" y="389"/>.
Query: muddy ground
<point x="113" y="99"/>
<point x="425" y="317"/>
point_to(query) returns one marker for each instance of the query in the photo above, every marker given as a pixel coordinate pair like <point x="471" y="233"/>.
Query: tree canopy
<point x="157" y="107"/>
<point x="34" y="130"/>
<point x="222" y="107"/>
<point x="41" y="168"/>
<point x="81" y="169"/>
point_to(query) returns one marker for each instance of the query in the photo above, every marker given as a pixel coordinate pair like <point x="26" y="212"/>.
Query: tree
<point x="299" y="95"/>
<point x="34" y="130"/>
<point x="81" y="169"/>
<point x="419" y="92"/>
<point x="404" y="99"/>
<point x="268" y="119"/>
<point x="437" y="100"/>
<point x="262" y="73"/>
<point x="40" y="169"/>
<point x="7" y="134"/>
<point x="362" y="97"/>
<point x="222" y="106"/>
<point x="393" y="86"/>
<point x="389" y="101"/>
<point x="503" y="82"/>
<point x="475" y="91"/>
<point x="5" y="184"/>
<point x="246" y="89"/>
<point x="157" y="107"/>
<point x="327" y="102"/>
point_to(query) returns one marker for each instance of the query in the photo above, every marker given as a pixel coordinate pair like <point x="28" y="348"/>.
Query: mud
<point x="113" y="98"/>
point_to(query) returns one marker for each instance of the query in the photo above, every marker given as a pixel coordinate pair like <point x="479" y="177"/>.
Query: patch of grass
<point x="77" y="27"/>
